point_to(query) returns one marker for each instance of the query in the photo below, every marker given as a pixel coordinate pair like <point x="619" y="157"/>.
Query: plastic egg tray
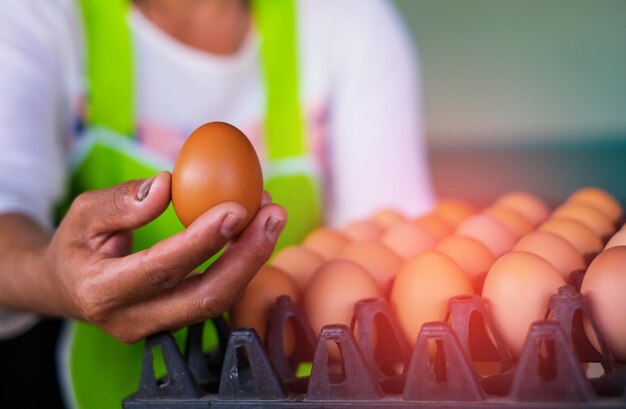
<point x="382" y="370"/>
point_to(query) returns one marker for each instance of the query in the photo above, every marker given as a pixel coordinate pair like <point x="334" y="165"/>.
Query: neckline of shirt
<point x="155" y="36"/>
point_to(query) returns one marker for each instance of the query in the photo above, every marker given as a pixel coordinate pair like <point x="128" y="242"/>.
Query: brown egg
<point x="407" y="239"/>
<point x="299" y="262"/>
<point x="600" y="199"/>
<point x="470" y="254"/>
<point x="517" y="289"/>
<point x="435" y="225"/>
<point x="529" y="205"/>
<point x="555" y="249"/>
<point x="333" y="291"/>
<point x="488" y="231"/>
<point x="453" y="211"/>
<point x="251" y="310"/>
<point x="512" y="220"/>
<point x="579" y="235"/>
<point x="604" y="287"/>
<point x="422" y="289"/>
<point x="216" y="164"/>
<point x="588" y="215"/>
<point x="618" y="239"/>
<point x="363" y="230"/>
<point x="387" y="217"/>
<point x="380" y="261"/>
<point x="326" y="242"/>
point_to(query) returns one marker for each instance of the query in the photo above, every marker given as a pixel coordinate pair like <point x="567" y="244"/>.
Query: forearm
<point x="24" y="276"/>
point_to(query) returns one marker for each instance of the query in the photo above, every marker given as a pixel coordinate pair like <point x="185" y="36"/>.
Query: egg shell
<point x="407" y="239"/>
<point x="588" y="215"/>
<point x="529" y="205"/>
<point x="618" y="239"/>
<point x="604" y="289"/>
<point x="380" y="261"/>
<point x="488" y="231"/>
<point x="326" y="242"/>
<point x="517" y="289"/>
<point x="513" y="220"/>
<point x="453" y="211"/>
<point x="252" y="309"/>
<point x="435" y="225"/>
<point x="474" y="258"/>
<point x="387" y="217"/>
<point x="334" y="290"/>
<point x="299" y="262"/>
<point x="555" y="249"/>
<point x="600" y="199"/>
<point x="579" y="235"/>
<point x="216" y="164"/>
<point x="422" y="289"/>
<point x="363" y="230"/>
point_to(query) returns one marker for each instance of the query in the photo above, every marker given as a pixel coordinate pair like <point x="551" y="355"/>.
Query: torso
<point x="179" y="88"/>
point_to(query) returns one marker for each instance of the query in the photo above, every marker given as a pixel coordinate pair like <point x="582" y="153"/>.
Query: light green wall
<point x="520" y="71"/>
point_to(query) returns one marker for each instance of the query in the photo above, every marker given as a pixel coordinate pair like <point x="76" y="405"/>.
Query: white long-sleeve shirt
<point x="358" y="84"/>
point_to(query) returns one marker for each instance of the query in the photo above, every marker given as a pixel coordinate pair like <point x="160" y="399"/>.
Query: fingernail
<point x="230" y="225"/>
<point x="273" y="227"/>
<point x="144" y="188"/>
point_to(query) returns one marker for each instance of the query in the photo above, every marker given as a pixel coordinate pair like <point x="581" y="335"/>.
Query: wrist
<point x="26" y="281"/>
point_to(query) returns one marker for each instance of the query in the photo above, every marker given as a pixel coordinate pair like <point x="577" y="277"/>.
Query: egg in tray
<point x="512" y="305"/>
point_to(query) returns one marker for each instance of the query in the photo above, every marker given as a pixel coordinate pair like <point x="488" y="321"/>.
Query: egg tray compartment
<point x="242" y="373"/>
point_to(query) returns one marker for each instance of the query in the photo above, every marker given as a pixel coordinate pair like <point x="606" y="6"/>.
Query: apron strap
<point x="284" y="127"/>
<point x="109" y="65"/>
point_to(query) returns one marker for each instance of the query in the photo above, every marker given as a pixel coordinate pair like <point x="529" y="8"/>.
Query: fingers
<point x="122" y="207"/>
<point x="229" y="275"/>
<point x="266" y="198"/>
<point x="165" y="264"/>
<point x="204" y="296"/>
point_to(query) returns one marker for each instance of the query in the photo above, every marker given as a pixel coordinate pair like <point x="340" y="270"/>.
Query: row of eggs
<point x="515" y="254"/>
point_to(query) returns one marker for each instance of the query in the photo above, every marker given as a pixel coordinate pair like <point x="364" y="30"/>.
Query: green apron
<point x="100" y="371"/>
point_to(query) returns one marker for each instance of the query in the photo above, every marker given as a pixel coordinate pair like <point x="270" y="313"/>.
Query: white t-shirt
<point x="358" y="86"/>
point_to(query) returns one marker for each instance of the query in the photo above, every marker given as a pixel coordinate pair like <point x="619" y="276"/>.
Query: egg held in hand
<point x="216" y="164"/>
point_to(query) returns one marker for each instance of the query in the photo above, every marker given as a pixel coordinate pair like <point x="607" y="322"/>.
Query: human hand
<point x="94" y="277"/>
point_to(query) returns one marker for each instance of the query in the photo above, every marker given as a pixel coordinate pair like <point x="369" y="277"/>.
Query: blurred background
<point x="523" y="94"/>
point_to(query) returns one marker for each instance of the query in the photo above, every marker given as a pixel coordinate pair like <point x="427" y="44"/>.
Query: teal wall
<point x="519" y="71"/>
<point x="523" y="94"/>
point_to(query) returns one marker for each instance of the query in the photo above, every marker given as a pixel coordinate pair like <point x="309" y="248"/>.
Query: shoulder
<point x="42" y="38"/>
<point x="38" y="15"/>
<point x="354" y="30"/>
<point x="350" y="15"/>
<point x="51" y="23"/>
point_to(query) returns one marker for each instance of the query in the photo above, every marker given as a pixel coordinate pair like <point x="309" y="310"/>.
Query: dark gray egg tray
<point x="244" y="372"/>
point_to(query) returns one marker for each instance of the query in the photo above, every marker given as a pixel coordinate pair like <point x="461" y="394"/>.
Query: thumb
<point x="126" y="206"/>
